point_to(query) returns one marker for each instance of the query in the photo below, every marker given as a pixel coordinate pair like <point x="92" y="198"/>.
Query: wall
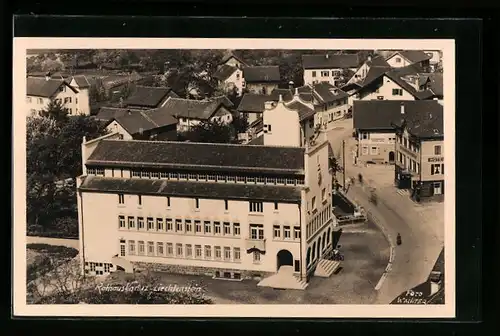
<point x="334" y="111"/>
<point x="183" y="123"/>
<point x="429" y="158"/>
<point x="114" y="126"/>
<point x="257" y="87"/>
<point x="360" y="74"/>
<point x="234" y="62"/>
<point x="317" y="209"/>
<point x="252" y="116"/>
<point x="385" y="91"/>
<point x="235" y="80"/>
<point x="102" y="233"/>
<point x="83" y="104"/>
<point x="285" y="129"/>
<point x="36" y="104"/>
<point x="309" y="79"/>
<point x="383" y="141"/>
<point x="393" y="61"/>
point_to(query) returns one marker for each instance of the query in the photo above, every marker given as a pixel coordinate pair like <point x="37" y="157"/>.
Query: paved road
<point x="422" y="244"/>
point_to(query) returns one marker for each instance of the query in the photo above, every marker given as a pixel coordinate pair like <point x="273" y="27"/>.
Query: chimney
<point x="290" y="85"/>
<point x="280" y="99"/>
<point x="296" y="92"/>
<point x="141" y="130"/>
<point x="47" y="76"/>
<point x="326" y="56"/>
<point x="402" y="108"/>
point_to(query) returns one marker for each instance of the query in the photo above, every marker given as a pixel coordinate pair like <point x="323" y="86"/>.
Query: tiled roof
<point x="107" y="113"/>
<point x="423" y="117"/>
<point x="146" y="96"/>
<point x="224" y="72"/>
<point x="436" y="83"/>
<point x="209" y="190"/>
<point x="230" y="54"/>
<point x="326" y="93"/>
<point x="377" y="61"/>
<point x="286" y="94"/>
<point x="330" y="61"/>
<point x="261" y="74"/>
<point x="305" y="112"/>
<point x="189" y="155"/>
<point x="258" y="141"/>
<point x="81" y="81"/>
<point x="305" y="93"/>
<point x="397" y="75"/>
<point x="196" y="109"/>
<point x="254" y="102"/>
<point x="40" y="87"/>
<point x="415" y="56"/>
<point x="145" y="120"/>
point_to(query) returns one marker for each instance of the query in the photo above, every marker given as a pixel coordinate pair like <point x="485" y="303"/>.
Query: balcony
<point x="259" y="244"/>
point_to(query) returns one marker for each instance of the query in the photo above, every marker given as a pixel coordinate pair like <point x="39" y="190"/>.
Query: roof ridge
<point x="198" y="143"/>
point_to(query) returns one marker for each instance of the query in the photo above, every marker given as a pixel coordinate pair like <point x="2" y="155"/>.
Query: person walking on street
<point x="398" y="239"/>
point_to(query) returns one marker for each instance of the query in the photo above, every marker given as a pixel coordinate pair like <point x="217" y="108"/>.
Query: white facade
<point x="207" y="235"/>
<point x="332" y="76"/>
<point x="398" y="61"/>
<point x="115" y="127"/>
<point x="235" y="81"/>
<point x="389" y="90"/>
<point x="82" y="102"/>
<point x="224" y="116"/>
<point x="281" y="125"/>
<point x="378" y="147"/>
<point x="360" y="74"/>
<point x="436" y="56"/>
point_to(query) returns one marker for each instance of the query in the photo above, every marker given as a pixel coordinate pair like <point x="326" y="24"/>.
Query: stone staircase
<point x="284" y="279"/>
<point x="326" y="267"/>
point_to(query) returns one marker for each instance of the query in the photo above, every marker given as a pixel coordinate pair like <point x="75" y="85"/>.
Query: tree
<point x="55" y="111"/>
<point x="240" y="122"/>
<point x="97" y="93"/>
<point x="210" y="132"/>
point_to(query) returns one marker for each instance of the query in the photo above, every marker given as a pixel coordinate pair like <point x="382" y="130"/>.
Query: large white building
<point x="328" y="68"/>
<point x="229" y="211"/>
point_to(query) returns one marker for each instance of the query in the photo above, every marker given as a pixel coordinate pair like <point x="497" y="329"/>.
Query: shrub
<point x="60" y="252"/>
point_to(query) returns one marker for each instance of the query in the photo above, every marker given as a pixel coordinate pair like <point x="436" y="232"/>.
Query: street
<point x="421" y="226"/>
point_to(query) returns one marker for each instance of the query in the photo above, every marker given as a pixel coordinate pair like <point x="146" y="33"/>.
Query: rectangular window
<point x="374" y="150"/>
<point x="131" y="247"/>
<point x="189" y="225"/>
<point x="168" y="202"/>
<point x="237" y="254"/>
<point x="437" y="150"/>
<point x="159" y="224"/>
<point x="227" y="228"/>
<point x="196" y="203"/>
<point x="193" y="177"/>
<point x="208" y="227"/>
<point x="169" y="224"/>
<point x="197" y="252"/>
<point x="256" y="206"/>
<point x="122" y="249"/>
<point x="442" y="169"/>
<point x="159" y="249"/>
<point x="250" y="179"/>
<point x="131" y="222"/>
<point x="397" y="92"/>
<point x="276" y="231"/>
<point x="314" y="73"/>
<point x="236" y="229"/>
<point x="314" y="203"/>
<point x="257" y="231"/>
<point x="179" y="250"/>
<point x="286" y="232"/>
<point x="323" y="194"/>
<point x="436" y="169"/>
<point x="197" y="224"/>
<point x="151" y="224"/>
<point x="208" y="252"/>
<point x="155" y="175"/>
<point x="189" y="250"/>
<point x="139" y="199"/>
<point x="364" y="150"/>
<point x="325" y="73"/>
<point x="296" y="232"/>
<point x="178" y="225"/>
<point x="275" y="205"/>
<point x="256" y="257"/>
<point x="141" y="248"/>
<point x="121" y="222"/>
<point x="218" y="253"/>
<point x="163" y="175"/>
<point x="145" y="174"/>
<point x="227" y="253"/>
<point x="121" y="199"/>
<point x="217" y="229"/>
<point x="151" y="248"/>
<point x="170" y="249"/>
<point x="226" y="205"/>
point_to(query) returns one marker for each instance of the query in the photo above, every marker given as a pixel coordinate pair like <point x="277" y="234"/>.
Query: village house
<point x="373" y="66"/>
<point x="189" y="112"/>
<point x="436" y="58"/>
<point x="40" y="91"/>
<point x="252" y="105"/>
<point x="227" y="211"/>
<point x="154" y="124"/>
<point x="404" y="58"/>
<point x="419" y="148"/>
<point x="230" y="74"/>
<point x="395" y="84"/>
<point x="330" y="103"/>
<point x="373" y="122"/>
<point x="148" y="97"/>
<point x="261" y="79"/>
<point x="107" y="113"/>
<point x="328" y="68"/>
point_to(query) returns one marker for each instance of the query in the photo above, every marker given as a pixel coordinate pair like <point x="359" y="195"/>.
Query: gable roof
<point x="255" y="102"/>
<point x="377" y="61"/>
<point x="436" y="83"/>
<point x="147" y="96"/>
<point x="415" y="56"/>
<point x="305" y="112"/>
<point x="224" y="72"/>
<point x="262" y="74"/>
<point x="328" y="61"/>
<point x="384" y="114"/>
<point x="196" y="156"/>
<point x="145" y="120"/>
<point x="423" y="123"/>
<point x="327" y="93"/>
<point x="232" y="54"/>
<point x="41" y="87"/>
<point x="397" y="75"/>
<point x="81" y="81"/>
<point x="107" y="113"/>
<point x="196" y="109"/>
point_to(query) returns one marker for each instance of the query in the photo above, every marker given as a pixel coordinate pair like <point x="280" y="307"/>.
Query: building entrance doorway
<point x="391" y="156"/>
<point x="284" y="258"/>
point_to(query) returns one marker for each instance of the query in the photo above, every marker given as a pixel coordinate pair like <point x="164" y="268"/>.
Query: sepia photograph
<point x="234" y="177"/>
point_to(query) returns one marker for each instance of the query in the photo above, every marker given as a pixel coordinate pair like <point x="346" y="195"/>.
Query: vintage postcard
<point x="234" y="177"/>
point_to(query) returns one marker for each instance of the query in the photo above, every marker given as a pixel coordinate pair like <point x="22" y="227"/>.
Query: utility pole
<point x="343" y="163"/>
